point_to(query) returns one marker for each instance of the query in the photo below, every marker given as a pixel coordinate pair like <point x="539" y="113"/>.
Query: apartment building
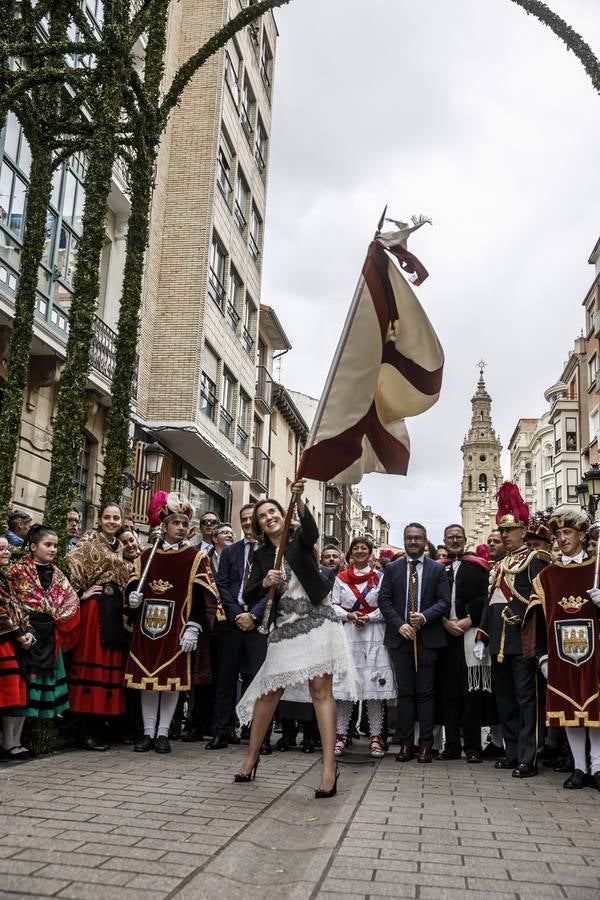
<point x="204" y="379"/>
<point x="51" y="325"/>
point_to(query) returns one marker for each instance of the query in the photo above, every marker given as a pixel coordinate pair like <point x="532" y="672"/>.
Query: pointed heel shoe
<point x="244" y="777"/>
<point x="324" y="795"/>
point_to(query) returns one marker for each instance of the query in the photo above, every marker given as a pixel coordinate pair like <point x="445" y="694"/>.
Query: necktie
<point x="248" y="566"/>
<point x="413" y="587"/>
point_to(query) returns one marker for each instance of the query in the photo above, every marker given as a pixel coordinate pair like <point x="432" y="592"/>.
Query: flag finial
<point x="382" y="219"/>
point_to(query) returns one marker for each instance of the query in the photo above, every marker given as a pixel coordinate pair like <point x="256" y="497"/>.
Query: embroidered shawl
<point x="94" y="561"/>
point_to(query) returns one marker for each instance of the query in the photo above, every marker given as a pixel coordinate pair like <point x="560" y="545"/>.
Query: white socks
<point x="150" y="704"/>
<point x="168" y="705"/>
<point x="12" y="726"/>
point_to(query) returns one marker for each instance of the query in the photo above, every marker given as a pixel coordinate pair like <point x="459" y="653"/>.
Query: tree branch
<point x="189" y="68"/>
<point x="568" y="35"/>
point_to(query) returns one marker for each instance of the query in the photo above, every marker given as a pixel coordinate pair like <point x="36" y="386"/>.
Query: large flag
<point x="388" y="366"/>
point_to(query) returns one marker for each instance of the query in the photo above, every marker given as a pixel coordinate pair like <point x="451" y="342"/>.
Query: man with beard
<point x="331" y="562"/>
<point x="513" y="675"/>
<point x="496" y="550"/>
<point x="464" y="688"/>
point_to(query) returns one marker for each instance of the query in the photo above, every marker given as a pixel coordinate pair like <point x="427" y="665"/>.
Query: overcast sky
<point x="474" y="113"/>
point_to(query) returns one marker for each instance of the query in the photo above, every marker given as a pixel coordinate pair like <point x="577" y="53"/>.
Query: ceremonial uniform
<point x="168" y="611"/>
<point x="513" y="676"/>
<point x="563" y="629"/>
<point x="178" y="577"/>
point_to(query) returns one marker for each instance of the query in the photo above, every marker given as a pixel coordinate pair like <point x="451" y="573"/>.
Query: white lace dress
<point x="307" y="640"/>
<point x="371" y="658"/>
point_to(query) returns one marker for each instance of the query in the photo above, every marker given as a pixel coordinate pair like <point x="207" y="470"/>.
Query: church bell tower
<point x="482" y="475"/>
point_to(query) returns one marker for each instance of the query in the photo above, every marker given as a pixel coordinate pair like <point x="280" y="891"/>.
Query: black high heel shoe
<point x="243" y="777"/>
<point x="324" y="795"/>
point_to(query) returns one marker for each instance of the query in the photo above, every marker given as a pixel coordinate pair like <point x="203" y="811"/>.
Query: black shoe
<point x="266" y="748"/>
<point x="162" y="744"/>
<point x="524" y="770"/>
<point x="232" y="738"/>
<point x="218" y="743"/>
<point x="282" y="745"/>
<point x="87" y="742"/>
<point x="194" y="734"/>
<point x="144" y="745"/>
<point x="505" y="763"/>
<point x="594" y="780"/>
<point x="563" y="764"/>
<point x="473" y="756"/>
<point x="492" y="751"/>
<point x="445" y="755"/>
<point x="576" y="781"/>
<point x="320" y="794"/>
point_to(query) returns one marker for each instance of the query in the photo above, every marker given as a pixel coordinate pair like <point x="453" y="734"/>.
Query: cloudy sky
<point x="475" y="114"/>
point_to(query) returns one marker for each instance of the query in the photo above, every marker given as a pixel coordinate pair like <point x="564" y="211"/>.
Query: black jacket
<point x="435" y="603"/>
<point x="471" y="594"/>
<point x="299" y="555"/>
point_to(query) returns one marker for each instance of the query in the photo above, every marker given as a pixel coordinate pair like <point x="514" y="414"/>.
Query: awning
<point x="198" y="450"/>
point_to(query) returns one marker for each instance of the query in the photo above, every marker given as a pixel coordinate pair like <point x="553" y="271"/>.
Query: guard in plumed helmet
<point x="562" y="629"/>
<point x="168" y="616"/>
<point x="513" y="676"/>
<point x="539" y="537"/>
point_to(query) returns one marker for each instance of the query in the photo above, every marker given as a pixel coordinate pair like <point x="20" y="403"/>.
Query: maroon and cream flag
<point x="388" y="366"/>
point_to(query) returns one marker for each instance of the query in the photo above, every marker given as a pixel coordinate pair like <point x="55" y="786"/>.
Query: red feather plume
<point x="157" y="503"/>
<point x="510" y="503"/>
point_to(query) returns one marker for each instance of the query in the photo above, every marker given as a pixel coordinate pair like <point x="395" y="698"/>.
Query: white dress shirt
<point x="579" y="558"/>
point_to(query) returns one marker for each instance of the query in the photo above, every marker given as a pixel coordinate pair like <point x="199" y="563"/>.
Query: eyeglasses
<point x="209" y="521"/>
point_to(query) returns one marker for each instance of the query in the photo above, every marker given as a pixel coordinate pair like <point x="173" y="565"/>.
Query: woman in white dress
<point x="307" y="643"/>
<point x="354" y="597"/>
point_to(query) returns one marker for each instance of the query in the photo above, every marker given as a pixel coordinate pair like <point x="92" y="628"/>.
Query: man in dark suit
<point x="413" y="598"/>
<point x="242" y="648"/>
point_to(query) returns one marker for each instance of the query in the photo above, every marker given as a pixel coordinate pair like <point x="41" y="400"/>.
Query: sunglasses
<point x="208" y="521"/>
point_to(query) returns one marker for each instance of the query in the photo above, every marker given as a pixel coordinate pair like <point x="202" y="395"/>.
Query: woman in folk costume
<point x="168" y="615"/>
<point x="99" y="575"/>
<point x="307" y="644"/>
<point x="354" y="598"/>
<point x="15" y="637"/>
<point x="562" y="629"/>
<point x="52" y="608"/>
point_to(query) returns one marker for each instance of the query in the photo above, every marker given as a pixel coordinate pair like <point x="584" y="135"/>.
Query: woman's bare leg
<point x="325" y="711"/>
<point x="264" y="708"/>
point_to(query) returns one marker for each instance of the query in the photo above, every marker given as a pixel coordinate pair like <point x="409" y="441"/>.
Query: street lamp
<point x="589" y="490"/>
<point x="153" y="458"/>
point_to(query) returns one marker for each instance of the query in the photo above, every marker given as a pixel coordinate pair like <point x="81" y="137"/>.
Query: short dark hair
<point x="246" y="506"/>
<point x="124" y="530"/>
<point x="415" y="525"/>
<point x="17" y="515"/>
<point x="359" y="540"/>
<point x="37" y="533"/>
<point x="219" y="527"/>
<point x="109" y="503"/>
<point x="455" y="525"/>
<point x="331" y="547"/>
<point x="209" y="512"/>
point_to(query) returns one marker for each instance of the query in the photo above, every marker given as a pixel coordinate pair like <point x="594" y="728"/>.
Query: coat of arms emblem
<point x="574" y="640"/>
<point x="157" y="618"/>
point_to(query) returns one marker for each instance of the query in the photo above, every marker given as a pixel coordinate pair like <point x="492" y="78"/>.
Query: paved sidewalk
<point x="120" y="826"/>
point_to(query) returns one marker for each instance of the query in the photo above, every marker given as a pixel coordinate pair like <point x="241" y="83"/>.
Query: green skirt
<point x="47" y="695"/>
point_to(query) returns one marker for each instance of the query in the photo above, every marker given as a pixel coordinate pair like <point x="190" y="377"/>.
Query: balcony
<point x="260" y="470"/>
<point x="226" y="423"/>
<point x="241" y="440"/>
<point x="260" y="160"/>
<point x="246" y="123"/>
<point x="239" y="217"/>
<point x="263" y="397"/>
<point x="216" y="290"/>
<point x="224" y="183"/>
<point x="253" y="248"/>
<point x="247" y="340"/>
<point x="233" y="317"/>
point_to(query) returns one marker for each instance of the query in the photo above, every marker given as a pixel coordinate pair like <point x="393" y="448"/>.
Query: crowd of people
<point x="449" y="653"/>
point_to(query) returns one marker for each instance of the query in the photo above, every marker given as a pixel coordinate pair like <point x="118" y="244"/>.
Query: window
<point x="233" y="63"/>
<point x="16" y="146"/>
<point x="548" y="458"/>
<point x="216" y="273"/>
<point x="248" y="110"/>
<point x="559" y="493"/>
<point x="557" y="438"/>
<point x="548" y="498"/>
<point x="258" y="431"/>
<point x="242" y="198"/>
<point x="242" y="437"/>
<point x="329" y="524"/>
<point x="290" y="441"/>
<point x="249" y="326"/>
<point x="224" y="171"/>
<point x="254" y="234"/>
<point x="470" y="484"/>
<point x="208" y="391"/>
<point x="227" y="404"/>
<point x="234" y="292"/>
<point x="82" y="476"/>
<point x="589" y="319"/>
<point x="266" y="65"/>
<point x="261" y="146"/>
<point x="594" y="422"/>
<point x="570" y="433"/>
<point x="527" y="474"/>
<point x="13" y="191"/>
<point x="572" y="482"/>
<point x="483" y="483"/>
<point x="592" y="369"/>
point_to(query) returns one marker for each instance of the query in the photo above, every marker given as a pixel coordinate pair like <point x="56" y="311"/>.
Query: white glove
<point x="479" y="650"/>
<point x="135" y="599"/>
<point x="594" y="594"/>
<point x="189" y="639"/>
<point x="544" y="667"/>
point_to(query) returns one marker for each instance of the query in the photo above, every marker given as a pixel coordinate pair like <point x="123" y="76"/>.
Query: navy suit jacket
<point x="435" y="603"/>
<point x="229" y="578"/>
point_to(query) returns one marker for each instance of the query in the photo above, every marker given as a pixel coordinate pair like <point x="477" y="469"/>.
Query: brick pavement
<point x="120" y="826"/>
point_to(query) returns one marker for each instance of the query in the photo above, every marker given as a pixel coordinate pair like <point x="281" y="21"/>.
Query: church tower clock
<point x="482" y="475"/>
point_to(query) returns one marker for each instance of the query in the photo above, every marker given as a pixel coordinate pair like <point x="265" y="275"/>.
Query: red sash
<point x="351" y="579"/>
